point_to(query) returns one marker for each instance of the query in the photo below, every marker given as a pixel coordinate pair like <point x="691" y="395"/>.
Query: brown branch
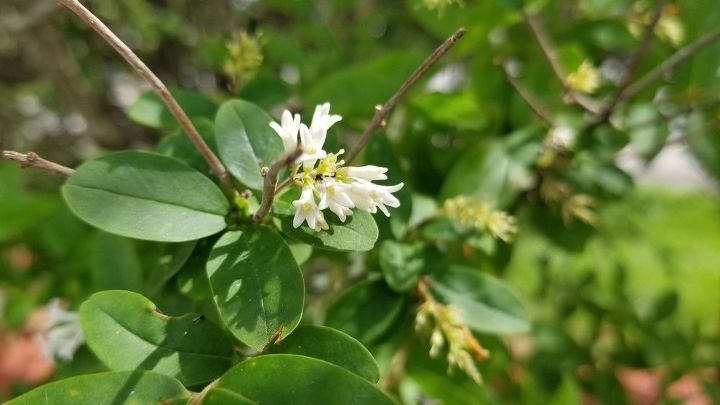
<point x="33" y="160"/>
<point x="381" y="112"/>
<point x="271" y="181"/>
<point x="534" y="104"/>
<point x="678" y="57"/>
<point x="632" y="66"/>
<point x="550" y="56"/>
<point x="158" y="86"/>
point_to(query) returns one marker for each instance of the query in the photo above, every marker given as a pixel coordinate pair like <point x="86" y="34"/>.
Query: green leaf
<point x="369" y="83"/>
<point x="401" y="264"/>
<point x="123" y="387"/>
<point x="365" y="311"/>
<point x="358" y="233"/>
<point x="291" y="379"/>
<point x="114" y="263"/>
<point x="245" y="141"/>
<point x="256" y="285"/>
<point x="484" y="302"/>
<point x="146" y="196"/>
<point x="151" y="111"/>
<point x="169" y="263"/>
<point x="180" y="147"/>
<point x="126" y="331"/>
<point x="496" y="171"/>
<point x="333" y="346"/>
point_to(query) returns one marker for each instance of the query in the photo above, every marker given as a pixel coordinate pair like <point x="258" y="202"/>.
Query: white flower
<point x="369" y="173"/>
<point x="369" y="196"/>
<point x="333" y="195"/>
<point x="322" y="120"/>
<point x="312" y="145"/>
<point x="63" y="335"/>
<point x="307" y="210"/>
<point x="288" y="131"/>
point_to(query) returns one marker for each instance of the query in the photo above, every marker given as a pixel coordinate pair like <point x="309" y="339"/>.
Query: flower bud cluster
<point x="447" y="327"/>
<point x="326" y="182"/>
<point x="475" y="213"/>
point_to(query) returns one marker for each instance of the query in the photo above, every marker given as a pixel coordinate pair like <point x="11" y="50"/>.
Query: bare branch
<point x="632" y="65"/>
<point x="33" y="160"/>
<point x="678" y="57"/>
<point x="91" y="20"/>
<point x="550" y="56"/>
<point x="271" y="181"/>
<point x="535" y="105"/>
<point x="381" y="112"/>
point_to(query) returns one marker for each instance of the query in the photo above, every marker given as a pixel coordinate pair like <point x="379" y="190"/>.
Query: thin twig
<point x="381" y="112"/>
<point x="678" y="57"/>
<point x="550" y="56"/>
<point x="631" y="67"/>
<point x="90" y="19"/>
<point x="535" y="105"/>
<point x="271" y="181"/>
<point x="33" y="160"/>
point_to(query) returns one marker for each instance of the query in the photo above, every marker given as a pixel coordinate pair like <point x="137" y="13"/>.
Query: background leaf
<point x="484" y="302"/>
<point x="149" y="109"/>
<point x="365" y="311"/>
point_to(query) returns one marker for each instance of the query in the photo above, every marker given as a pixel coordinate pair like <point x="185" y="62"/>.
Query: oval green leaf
<point x="333" y="346"/>
<point x="126" y="332"/>
<point x="401" y="264"/>
<point x="485" y="303"/>
<point x="256" y="285"/>
<point x="292" y="379"/>
<point x="180" y="147"/>
<point x="365" y="311"/>
<point x="245" y="141"/>
<point x="358" y="233"/>
<point x="146" y="196"/>
<point x="122" y="387"/>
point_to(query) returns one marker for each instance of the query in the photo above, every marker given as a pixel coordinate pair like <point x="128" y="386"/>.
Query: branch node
<point x="271" y="175"/>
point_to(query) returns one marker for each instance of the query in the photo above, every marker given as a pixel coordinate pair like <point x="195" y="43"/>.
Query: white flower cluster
<point x="63" y="335"/>
<point x="326" y="182"/>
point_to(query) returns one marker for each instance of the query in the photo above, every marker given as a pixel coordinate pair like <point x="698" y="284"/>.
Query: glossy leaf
<point x="292" y="379"/>
<point x="126" y="331"/>
<point x="151" y="111"/>
<point x="484" y="302"/>
<point x="256" y="285"/>
<point x="122" y="387"/>
<point x="333" y="346"/>
<point x="146" y="196"/>
<point x="358" y="233"/>
<point x="365" y="311"/>
<point x="245" y="141"/>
